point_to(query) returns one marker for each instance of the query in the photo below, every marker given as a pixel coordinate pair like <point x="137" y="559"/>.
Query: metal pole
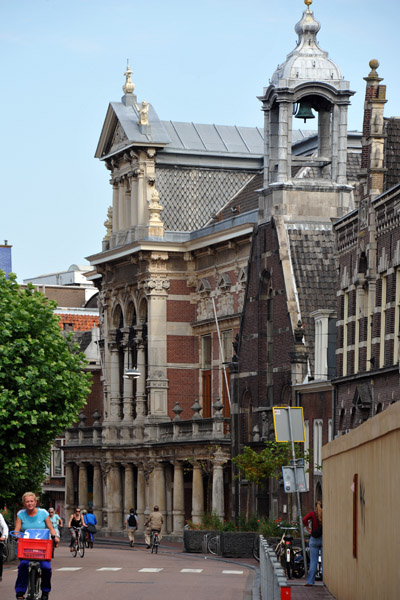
<point x="222" y="354"/>
<point x="303" y="545"/>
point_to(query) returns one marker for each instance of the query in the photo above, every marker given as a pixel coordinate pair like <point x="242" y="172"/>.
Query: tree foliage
<point x="256" y="467"/>
<point x="42" y="385"/>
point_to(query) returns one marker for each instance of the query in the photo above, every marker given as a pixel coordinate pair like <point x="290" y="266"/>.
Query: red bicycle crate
<point x="32" y="549"/>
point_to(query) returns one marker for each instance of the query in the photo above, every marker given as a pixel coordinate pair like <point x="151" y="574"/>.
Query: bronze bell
<point x="304" y="111"/>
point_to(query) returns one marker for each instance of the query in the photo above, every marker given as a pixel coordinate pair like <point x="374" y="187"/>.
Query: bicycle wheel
<point x="87" y="541"/>
<point x="156" y="544"/>
<point x="75" y="548"/>
<point x="212" y="545"/>
<point x="81" y="547"/>
<point x="4" y="550"/>
<point x="33" y="584"/>
<point x="256" y="549"/>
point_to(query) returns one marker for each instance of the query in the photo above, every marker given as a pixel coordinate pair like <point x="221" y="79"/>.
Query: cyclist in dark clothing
<point x="75" y="520"/>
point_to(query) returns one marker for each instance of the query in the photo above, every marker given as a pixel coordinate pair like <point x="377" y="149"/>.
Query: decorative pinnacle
<point x="308" y="2"/>
<point x="374" y="64"/>
<point x="129" y="85"/>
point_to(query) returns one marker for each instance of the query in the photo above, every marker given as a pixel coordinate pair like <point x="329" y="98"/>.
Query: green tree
<point x="256" y="467"/>
<point x="43" y="385"/>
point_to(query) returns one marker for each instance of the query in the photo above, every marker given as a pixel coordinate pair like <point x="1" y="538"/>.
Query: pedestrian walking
<point x="131" y="523"/>
<point x="313" y="522"/>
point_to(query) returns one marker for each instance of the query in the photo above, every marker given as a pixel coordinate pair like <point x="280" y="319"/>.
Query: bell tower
<point x="307" y="86"/>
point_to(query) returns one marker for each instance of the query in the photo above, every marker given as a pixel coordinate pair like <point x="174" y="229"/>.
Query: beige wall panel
<point x="372" y="452"/>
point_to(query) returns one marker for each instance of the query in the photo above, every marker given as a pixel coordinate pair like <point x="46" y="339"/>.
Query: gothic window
<point x="307" y="447"/>
<point x="317" y="444"/>
<point x="57" y="459"/>
<point x="206" y="357"/>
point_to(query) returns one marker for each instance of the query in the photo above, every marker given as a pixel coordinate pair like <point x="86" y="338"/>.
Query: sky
<point x="204" y="61"/>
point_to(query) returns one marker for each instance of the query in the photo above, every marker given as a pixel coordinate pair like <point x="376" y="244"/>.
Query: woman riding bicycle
<point x="56" y="521"/>
<point x="32" y="517"/>
<point x="75" y="521"/>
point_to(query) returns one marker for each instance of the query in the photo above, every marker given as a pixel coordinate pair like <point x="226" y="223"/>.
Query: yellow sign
<point x="289" y="424"/>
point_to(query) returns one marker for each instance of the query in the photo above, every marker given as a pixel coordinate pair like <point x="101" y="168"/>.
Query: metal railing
<point x="272" y="576"/>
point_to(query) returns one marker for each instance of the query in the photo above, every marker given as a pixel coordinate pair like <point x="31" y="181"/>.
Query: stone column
<point x="129" y="500"/>
<point x="114" y="499"/>
<point x="115" y="395"/>
<point x="115" y="217"/>
<point x="159" y="488"/>
<point x="218" y="485"/>
<point x="141" y="503"/>
<point x="121" y="205"/>
<point x="168" y="498"/>
<point x="283" y="148"/>
<point x="178" y="510"/>
<point x="69" y="488"/>
<point x="342" y="150"/>
<point x="140" y="384"/>
<point x="83" y="486"/>
<point x="127" y="401"/>
<point x="133" y="200"/>
<point x="98" y="493"/>
<point x="197" y="494"/>
<point x="141" y="199"/>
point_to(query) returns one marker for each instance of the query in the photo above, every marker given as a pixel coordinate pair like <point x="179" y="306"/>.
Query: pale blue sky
<point x="204" y="61"/>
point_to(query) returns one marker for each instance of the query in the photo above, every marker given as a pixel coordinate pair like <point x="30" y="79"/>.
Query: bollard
<point x="286" y="593"/>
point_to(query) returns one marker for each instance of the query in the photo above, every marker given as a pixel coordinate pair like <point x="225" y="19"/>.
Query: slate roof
<point x="191" y="196"/>
<point x="392" y="152"/>
<point x="312" y="256"/>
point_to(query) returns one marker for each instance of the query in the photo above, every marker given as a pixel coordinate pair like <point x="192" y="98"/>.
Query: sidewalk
<point x="299" y="591"/>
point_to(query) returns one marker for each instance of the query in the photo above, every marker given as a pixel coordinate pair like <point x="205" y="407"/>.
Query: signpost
<point x="289" y="427"/>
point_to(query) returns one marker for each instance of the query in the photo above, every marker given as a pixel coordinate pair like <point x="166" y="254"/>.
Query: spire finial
<point x="129" y="85"/>
<point x="308" y="3"/>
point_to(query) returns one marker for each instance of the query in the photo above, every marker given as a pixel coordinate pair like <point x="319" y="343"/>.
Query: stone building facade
<point x="368" y="254"/>
<point x="217" y="293"/>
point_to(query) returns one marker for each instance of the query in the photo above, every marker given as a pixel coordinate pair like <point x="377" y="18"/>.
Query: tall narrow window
<point x="307" y="447"/>
<point x="206" y="374"/>
<point x="227" y="339"/>
<point x="345" y="331"/>
<point x="397" y="320"/>
<point x="317" y="445"/>
<point x="383" y="323"/>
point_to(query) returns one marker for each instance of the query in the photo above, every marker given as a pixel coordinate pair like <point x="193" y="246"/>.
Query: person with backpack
<point x="315" y="543"/>
<point x="131" y="523"/>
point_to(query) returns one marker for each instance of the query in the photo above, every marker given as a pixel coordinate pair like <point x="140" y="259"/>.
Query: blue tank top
<point x="35" y="522"/>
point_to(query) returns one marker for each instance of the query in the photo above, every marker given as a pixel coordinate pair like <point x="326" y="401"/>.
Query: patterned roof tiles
<point x="312" y="256"/>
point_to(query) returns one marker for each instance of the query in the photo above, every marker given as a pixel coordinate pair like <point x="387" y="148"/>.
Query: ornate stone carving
<point x="108" y="223"/>
<point x="143" y="111"/>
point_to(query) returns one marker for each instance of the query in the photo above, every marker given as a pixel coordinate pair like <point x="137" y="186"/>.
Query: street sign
<point x="289" y="424"/>
<point x="289" y="479"/>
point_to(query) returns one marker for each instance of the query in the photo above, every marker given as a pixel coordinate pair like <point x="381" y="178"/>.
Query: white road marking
<point x="232" y="572"/>
<point x="150" y="570"/>
<point x="109" y="569"/>
<point x="69" y="569"/>
<point x="191" y="570"/>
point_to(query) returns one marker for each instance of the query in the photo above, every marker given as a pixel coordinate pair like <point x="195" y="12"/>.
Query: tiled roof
<point x="353" y="168"/>
<point x="392" y="151"/>
<point x="191" y="196"/>
<point x="312" y="256"/>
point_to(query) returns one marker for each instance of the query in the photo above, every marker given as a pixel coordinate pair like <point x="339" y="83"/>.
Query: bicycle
<point x="88" y="537"/>
<point x="154" y="541"/>
<point x="79" y="543"/>
<point x="213" y="544"/>
<point x="256" y="548"/>
<point x="35" y="565"/>
<point x="286" y="552"/>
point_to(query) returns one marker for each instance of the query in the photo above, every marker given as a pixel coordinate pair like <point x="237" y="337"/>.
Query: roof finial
<point x="308" y="3"/>
<point x="129" y="85"/>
